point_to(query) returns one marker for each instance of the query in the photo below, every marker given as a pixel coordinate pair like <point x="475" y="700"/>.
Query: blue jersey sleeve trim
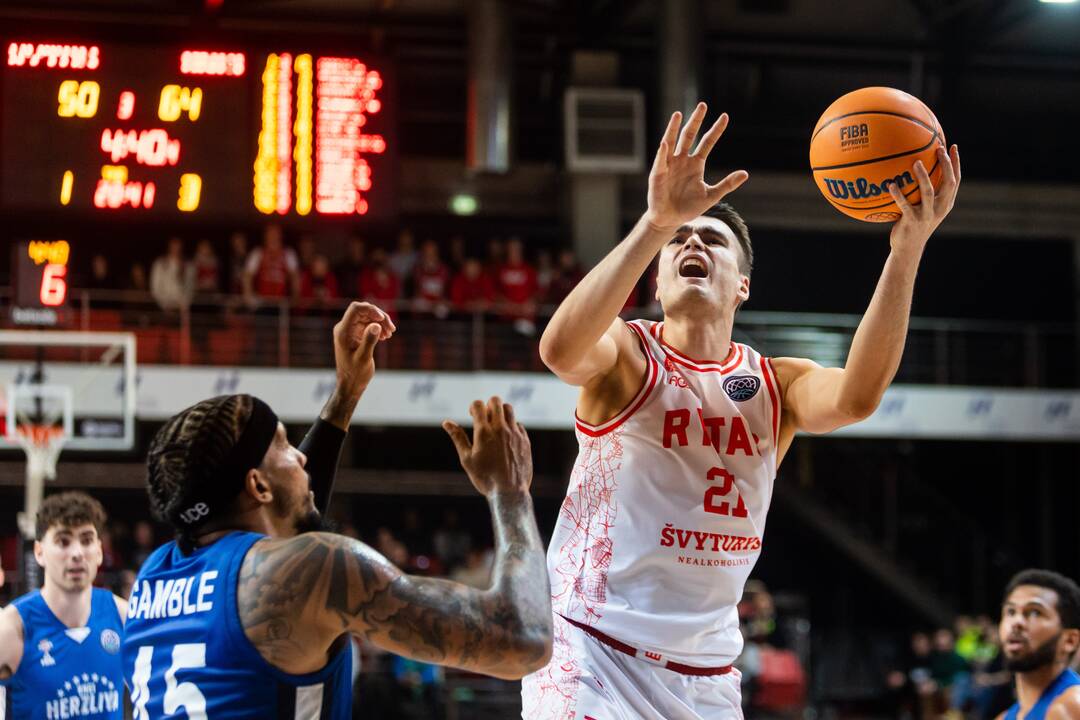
<point x="239" y="641"/>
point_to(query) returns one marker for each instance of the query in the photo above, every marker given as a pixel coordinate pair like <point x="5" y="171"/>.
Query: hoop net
<point x="42" y="445"/>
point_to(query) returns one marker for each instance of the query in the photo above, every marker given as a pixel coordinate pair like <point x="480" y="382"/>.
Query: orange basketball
<point x="869" y="139"/>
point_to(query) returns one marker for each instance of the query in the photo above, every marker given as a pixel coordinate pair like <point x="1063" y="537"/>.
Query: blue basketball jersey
<point x="186" y="656"/>
<point x="66" y="672"/>
<point x="1064" y="681"/>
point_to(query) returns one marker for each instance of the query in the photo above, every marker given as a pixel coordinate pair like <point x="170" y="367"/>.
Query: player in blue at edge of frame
<point x="60" y="645"/>
<point x="247" y="614"/>
<point x="1040" y="634"/>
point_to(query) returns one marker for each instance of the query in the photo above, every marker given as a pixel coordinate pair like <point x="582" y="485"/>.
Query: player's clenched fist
<point x="499" y="457"/>
<point x="355" y="336"/>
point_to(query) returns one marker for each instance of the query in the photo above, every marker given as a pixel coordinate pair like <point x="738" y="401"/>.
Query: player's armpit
<point x="297" y="596"/>
<point x="819" y="399"/>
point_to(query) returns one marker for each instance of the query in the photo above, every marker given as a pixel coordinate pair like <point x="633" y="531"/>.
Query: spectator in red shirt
<point x="516" y="287"/>
<point x="318" y="286"/>
<point x="379" y="284"/>
<point x="431" y="280"/>
<point x="272" y="270"/>
<point x="472" y="289"/>
<point x="207" y="269"/>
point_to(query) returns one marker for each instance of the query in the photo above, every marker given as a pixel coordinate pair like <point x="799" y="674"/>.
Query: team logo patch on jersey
<point x="741" y="388"/>
<point x="110" y="641"/>
<point x="46" y="659"/>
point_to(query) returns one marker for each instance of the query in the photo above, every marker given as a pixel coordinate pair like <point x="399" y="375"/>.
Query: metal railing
<point x="225" y="330"/>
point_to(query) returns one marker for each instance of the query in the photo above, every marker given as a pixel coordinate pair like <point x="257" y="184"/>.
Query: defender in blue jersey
<point x="1040" y="634"/>
<point x="248" y="613"/>
<point x="60" y="645"/>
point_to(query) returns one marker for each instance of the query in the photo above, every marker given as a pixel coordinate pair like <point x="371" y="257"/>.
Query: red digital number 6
<point x="53" y="287"/>
<point x="726" y="486"/>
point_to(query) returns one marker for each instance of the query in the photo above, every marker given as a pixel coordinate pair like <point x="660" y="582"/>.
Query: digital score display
<point x="127" y="129"/>
<point x="39" y="269"/>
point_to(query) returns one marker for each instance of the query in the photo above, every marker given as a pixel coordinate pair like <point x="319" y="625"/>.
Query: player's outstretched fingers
<point x="727" y="185"/>
<point x="479" y="416"/>
<point x="898" y="197"/>
<point x="508" y="415"/>
<point x="926" y="187"/>
<point x="459" y="437"/>
<point x="689" y="133"/>
<point x="495" y="408"/>
<point x="709" y="138"/>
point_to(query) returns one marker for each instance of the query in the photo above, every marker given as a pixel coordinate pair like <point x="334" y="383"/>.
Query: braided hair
<point x="187" y="455"/>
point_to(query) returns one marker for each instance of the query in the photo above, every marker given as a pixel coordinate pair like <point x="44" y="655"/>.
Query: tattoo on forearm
<point x="338" y="409"/>
<point x="293" y="592"/>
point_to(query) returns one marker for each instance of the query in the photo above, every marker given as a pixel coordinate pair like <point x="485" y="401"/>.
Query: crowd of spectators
<point x="435" y="277"/>
<point x="243" y="292"/>
<point x="952" y="673"/>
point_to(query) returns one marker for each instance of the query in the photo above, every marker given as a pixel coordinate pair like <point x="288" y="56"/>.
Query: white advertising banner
<point x="541" y="401"/>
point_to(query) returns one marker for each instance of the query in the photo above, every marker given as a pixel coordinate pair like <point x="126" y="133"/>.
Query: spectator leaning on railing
<point x="172" y="278"/>
<point x="516" y="287"/>
<point x="431" y="280"/>
<point x="472" y="289"/>
<point x="379" y="284"/>
<point x="207" y="269"/>
<point x="318" y="286"/>
<point x="403" y="260"/>
<point x="272" y="270"/>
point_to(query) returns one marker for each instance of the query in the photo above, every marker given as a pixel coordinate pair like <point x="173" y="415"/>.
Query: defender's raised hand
<point x="499" y="458"/>
<point x="918" y="222"/>
<point x="677" y="188"/>
<point x="355" y="336"/>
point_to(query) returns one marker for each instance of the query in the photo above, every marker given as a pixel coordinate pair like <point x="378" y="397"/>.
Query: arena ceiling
<point x="985" y="66"/>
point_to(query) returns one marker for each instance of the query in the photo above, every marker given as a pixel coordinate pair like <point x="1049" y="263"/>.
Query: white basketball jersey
<point x="665" y="511"/>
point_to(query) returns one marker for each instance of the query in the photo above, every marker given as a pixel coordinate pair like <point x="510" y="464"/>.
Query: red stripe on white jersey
<point x="734" y="357"/>
<point x="652" y="372"/>
<point x="773" y="384"/>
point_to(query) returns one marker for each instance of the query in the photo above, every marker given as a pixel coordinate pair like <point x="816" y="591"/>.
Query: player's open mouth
<point x="1015" y="644"/>
<point x="693" y="267"/>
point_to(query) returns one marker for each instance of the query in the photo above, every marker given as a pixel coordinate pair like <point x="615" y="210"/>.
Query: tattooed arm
<point x="297" y="596"/>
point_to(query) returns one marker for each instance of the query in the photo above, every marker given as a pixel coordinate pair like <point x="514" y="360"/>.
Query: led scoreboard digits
<point x="124" y="129"/>
<point x="39" y="275"/>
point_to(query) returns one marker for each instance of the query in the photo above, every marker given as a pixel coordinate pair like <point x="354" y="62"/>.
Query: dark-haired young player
<point x="680" y="432"/>
<point x="1040" y="634"/>
<point x="247" y="614"/>
<point x="60" y="645"/>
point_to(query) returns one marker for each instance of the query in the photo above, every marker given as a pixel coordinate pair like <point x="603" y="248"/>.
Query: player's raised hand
<point x="677" y="189"/>
<point x="499" y="458"/>
<point x="355" y="336"/>
<point x="918" y="222"/>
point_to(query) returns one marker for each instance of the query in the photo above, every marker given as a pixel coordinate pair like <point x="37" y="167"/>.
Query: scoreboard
<point x="39" y="275"/>
<point x="165" y="131"/>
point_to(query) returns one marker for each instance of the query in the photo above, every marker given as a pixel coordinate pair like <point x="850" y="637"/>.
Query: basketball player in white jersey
<point x="680" y="432"/>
